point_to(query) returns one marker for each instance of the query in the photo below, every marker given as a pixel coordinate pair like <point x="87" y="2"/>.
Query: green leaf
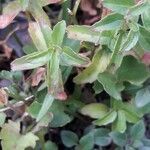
<point x="83" y="33"/>
<point x="60" y="118"/>
<point x="101" y="137"/>
<point x="146" y="19"/>
<point x="31" y="61"/>
<point x="49" y="145"/>
<point x="119" y="6"/>
<point x="37" y="36"/>
<point x="46" y="31"/>
<point x="69" y="57"/>
<point x="131" y="40"/>
<point x="133" y="25"/>
<point x="144" y="39"/>
<point x="137" y="143"/>
<point x="110" y="22"/>
<point x="54" y="77"/>
<point x="69" y="138"/>
<point x="98" y="87"/>
<point x="95" y="110"/>
<point x="118" y="138"/>
<point x="116" y="58"/>
<point x="131" y="117"/>
<point x="38" y="13"/>
<point x="142" y="97"/>
<point x="99" y="64"/>
<point x="11" y="7"/>
<point x="108" y="118"/>
<point x="24" y="4"/>
<point x="120" y="123"/>
<point x="146" y="141"/>
<point x="129" y="109"/>
<point x="58" y="33"/>
<point x="33" y="109"/>
<point x="109" y="83"/>
<point x="29" y="48"/>
<point x="48" y="100"/>
<point x="128" y="71"/>
<point x="145" y="109"/>
<point x="6" y="75"/>
<point x="137" y="131"/>
<point x="138" y="9"/>
<point x="106" y="38"/>
<point x="75" y="46"/>
<point x="15" y="76"/>
<point x="53" y="71"/>
<point x="87" y="141"/>
<point x="11" y="137"/>
<point x="44" y="122"/>
<point x="2" y="118"/>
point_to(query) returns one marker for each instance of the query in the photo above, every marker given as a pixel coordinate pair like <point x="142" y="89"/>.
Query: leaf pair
<point x="136" y="136"/>
<point x="97" y="136"/>
<point x="117" y="118"/>
<point x="110" y="85"/>
<point x="118" y="115"/>
<point x="127" y="72"/>
<point x="52" y="53"/>
<point x="31" y="61"/>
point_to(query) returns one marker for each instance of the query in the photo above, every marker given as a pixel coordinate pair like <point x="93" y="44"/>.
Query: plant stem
<point x="76" y="7"/>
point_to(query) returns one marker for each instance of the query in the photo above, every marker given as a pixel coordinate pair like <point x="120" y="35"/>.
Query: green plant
<point x="118" y="65"/>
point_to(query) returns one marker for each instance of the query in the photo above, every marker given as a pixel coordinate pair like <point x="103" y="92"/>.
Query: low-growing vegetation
<point x="75" y="75"/>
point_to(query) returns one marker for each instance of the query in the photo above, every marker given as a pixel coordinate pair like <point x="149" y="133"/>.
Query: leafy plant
<point x="112" y="55"/>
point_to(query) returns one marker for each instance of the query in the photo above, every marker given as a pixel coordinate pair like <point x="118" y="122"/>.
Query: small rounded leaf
<point x="69" y="138"/>
<point x="95" y="110"/>
<point x="142" y="97"/>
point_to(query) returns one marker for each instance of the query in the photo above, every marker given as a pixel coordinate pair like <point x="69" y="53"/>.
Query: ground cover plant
<point x="75" y="74"/>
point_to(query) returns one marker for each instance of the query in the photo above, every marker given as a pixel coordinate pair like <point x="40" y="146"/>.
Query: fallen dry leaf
<point x="7" y="50"/>
<point x="37" y="76"/>
<point x="87" y="6"/>
<point x="9" y="12"/>
<point x="91" y="11"/>
<point x="3" y="97"/>
<point x="93" y="19"/>
<point x="5" y="20"/>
